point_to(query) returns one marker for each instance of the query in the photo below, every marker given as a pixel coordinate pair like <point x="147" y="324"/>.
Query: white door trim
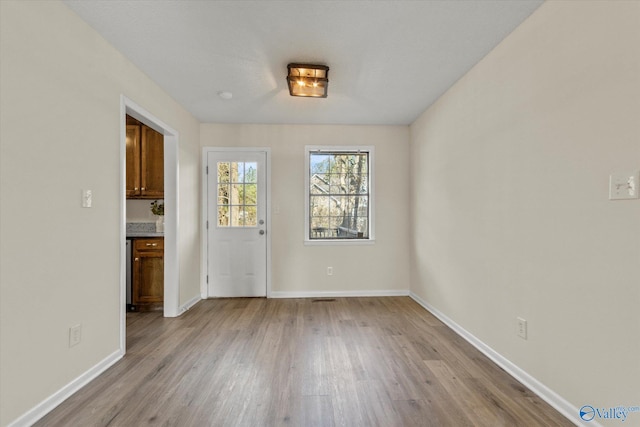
<point x="204" y="261"/>
<point x="171" y="262"/>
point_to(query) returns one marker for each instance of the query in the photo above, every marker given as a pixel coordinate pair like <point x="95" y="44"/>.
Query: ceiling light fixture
<point x="308" y="80"/>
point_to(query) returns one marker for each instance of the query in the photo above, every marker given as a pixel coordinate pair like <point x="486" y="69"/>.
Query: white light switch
<point x="75" y="335"/>
<point x="87" y="198"/>
<point x="623" y="186"/>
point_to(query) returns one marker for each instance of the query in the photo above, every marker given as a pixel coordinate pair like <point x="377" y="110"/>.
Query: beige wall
<point x="60" y="128"/>
<point x="507" y="214"/>
<point x="140" y="211"/>
<point x="511" y="215"/>
<point x="302" y="269"/>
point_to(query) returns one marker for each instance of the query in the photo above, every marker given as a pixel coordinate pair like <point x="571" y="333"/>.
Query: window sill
<point x="340" y="242"/>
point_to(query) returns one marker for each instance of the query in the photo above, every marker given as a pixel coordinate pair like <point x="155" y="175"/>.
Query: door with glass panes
<point x="236" y="216"/>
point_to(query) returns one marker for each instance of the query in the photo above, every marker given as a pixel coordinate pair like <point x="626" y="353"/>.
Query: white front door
<point x="237" y="223"/>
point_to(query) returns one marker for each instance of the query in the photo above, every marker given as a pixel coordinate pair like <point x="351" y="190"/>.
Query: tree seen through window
<point x="237" y="194"/>
<point x="338" y="195"/>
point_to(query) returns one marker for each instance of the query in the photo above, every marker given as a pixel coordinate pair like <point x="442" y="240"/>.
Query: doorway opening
<point x="171" y="276"/>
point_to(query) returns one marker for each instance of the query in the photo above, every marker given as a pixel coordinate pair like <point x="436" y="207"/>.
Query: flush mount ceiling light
<point x="308" y="80"/>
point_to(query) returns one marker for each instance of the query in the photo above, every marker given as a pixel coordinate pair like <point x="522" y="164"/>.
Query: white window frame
<point x="308" y="149"/>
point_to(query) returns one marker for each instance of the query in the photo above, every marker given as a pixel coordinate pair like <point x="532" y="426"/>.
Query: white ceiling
<point x="389" y="60"/>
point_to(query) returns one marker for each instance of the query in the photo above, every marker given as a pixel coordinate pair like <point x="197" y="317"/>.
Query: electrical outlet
<point x="75" y="335"/>
<point x="87" y="198"/>
<point x="329" y="271"/>
<point x="522" y="328"/>
<point x="623" y="186"/>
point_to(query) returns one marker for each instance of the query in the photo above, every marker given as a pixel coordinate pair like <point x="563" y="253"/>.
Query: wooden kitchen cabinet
<point x="133" y="161"/>
<point x="145" y="161"/>
<point x="147" y="285"/>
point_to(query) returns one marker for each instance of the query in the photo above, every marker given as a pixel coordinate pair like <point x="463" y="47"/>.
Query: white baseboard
<point x="50" y="403"/>
<point x="186" y="306"/>
<point x="544" y="392"/>
<point x="339" y="294"/>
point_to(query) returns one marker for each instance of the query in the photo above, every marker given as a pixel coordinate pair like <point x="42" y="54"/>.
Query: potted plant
<point x="157" y="208"/>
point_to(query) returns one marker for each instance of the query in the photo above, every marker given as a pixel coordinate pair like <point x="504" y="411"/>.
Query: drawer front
<point x="148" y="244"/>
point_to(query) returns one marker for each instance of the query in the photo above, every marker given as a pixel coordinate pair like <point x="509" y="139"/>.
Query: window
<point x="339" y="183"/>
<point x="237" y="194"/>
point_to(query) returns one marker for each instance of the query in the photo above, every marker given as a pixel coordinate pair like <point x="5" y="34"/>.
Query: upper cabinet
<point x="133" y="160"/>
<point x="145" y="161"/>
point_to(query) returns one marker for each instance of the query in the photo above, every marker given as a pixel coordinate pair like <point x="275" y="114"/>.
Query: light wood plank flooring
<point x="301" y="362"/>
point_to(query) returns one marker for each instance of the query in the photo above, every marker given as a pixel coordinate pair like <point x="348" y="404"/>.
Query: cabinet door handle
<point x="152" y="244"/>
<point x="142" y="188"/>
<point x="135" y="188"/>
<point x="136" y="259"/>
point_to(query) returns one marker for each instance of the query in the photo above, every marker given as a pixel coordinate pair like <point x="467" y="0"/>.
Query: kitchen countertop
<point x="142" y="229"/>
<point x="143" y="234"/>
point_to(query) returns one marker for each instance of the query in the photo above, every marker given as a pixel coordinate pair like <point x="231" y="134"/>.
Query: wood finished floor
<point x="296" y="362"/>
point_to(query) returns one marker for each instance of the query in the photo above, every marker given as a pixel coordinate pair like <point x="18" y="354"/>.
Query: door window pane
<point x="237" y="194"/>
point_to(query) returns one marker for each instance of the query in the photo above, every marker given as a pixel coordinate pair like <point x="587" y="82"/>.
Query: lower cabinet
<point x="148" y="274"/>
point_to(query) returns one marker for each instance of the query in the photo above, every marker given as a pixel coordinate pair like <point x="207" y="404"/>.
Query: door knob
<point x="261" y="232"/>
<point x="261" y="222"/>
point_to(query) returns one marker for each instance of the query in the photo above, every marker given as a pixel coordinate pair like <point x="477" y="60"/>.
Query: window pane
<point x="334" y="222"/>
<point x="338" y="205"/>
<point x="237" y="172"/>
<point x="250" y="216"/>
<point x="319" y="184"/>
<point x="239" y="216"/>
<point x="338" y="195"/>
<point x="319" y="205"/>
<point x="319" y="163"/>
<point x="251" y="172"/>
<point x="337" y="189"/>
<point x="250" y="194"/>
<point x="241" y="194"/>
<point x="360" y="206"/>
<point x="359" y="163"/>
<point x="223" y="194"/>
<point x="320" y="227"/>
<point x="235" y="217"/>
<point x="223" y="216"/>
<point x="363" y="226"/>
<point x="362" y="184"/>
<point x="223" y="171"/>
<point x="319" y="222"/>
<point x="235" y="194"/>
